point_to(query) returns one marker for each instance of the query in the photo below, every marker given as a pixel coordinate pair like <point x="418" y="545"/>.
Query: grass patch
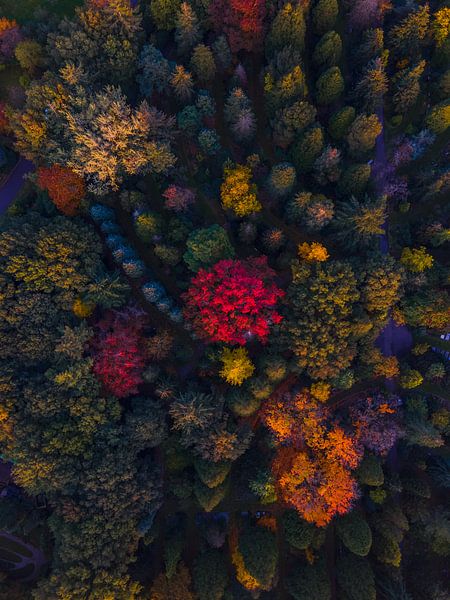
<point x="23" y="10"/>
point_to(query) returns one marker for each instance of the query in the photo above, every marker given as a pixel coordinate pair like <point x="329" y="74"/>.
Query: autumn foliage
<point x="313" y="465"/>
<point x="233" y="301"/>
<point x="119" y="356"/>
<point x="10" y="36"/>
<point x="65" y="188"/>
<point x="241" y="20"/>
<point x="316" y="455"/>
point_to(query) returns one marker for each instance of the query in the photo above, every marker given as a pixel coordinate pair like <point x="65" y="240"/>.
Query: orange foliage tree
<point x="65" y="188"/>
<point x="313" y="466"/>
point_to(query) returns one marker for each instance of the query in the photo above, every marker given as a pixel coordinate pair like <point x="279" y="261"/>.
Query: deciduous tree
<point x="233" y="301"/>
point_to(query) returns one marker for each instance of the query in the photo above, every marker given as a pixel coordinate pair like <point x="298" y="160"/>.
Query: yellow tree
<point x="237" y="366"/>
<point x="238" y="193"/>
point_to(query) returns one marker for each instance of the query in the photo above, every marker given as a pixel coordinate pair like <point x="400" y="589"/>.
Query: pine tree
<point x="188" y="32"/>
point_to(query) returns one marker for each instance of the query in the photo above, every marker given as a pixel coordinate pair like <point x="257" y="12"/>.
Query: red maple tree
<point x="119" y="354"/>
<point x="233" y="301"/>
<point x="241" y="20"/>
<point x="65" y="188"/>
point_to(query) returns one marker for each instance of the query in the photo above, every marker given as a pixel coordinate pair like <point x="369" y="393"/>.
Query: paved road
<point x="393" y="339"/>
<point x="14" y="183"/>
<point x="30" y="556"/>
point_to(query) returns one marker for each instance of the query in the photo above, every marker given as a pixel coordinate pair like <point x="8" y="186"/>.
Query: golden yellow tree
<point x="238" y="193"/>
<point x="313" y="252"/>
<point x="237" y="366"/>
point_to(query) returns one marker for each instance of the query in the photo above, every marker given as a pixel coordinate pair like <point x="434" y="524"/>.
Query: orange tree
<point x="313" y="466"/>
<point x="65" y="188"/>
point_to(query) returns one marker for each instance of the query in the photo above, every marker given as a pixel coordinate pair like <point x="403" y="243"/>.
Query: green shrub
<point x="207" y="246"/>
<point x="210" y="473"/>
<point x="355" y="578"/>
<point x="309" y="582"/>
<point x="370" y="471"/>
<point x="259" y="550"/>
<point x="438" y="119"/>
<point x="147" y="225"/>
<point x="297" y="532"/>
<point x="324" y="15"/>
<point x="243" y="403"/>
<point x="329" y="86"/>
<point x="307" y="149"/>
<point x="209" y="498"/>
<point x="210" y="575"/>
<point x="328" y="50"/>
<point x="354" y="180"/>
<point x="355" y="533"/>
<point x="340" y="121"/>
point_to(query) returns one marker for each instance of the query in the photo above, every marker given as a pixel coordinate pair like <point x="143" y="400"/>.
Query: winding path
<point x="14" y="183"/>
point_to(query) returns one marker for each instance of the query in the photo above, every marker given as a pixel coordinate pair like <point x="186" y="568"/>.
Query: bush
<point x="355" y="533"/>
<point x="298" y="532"/>
<point x="275" y="368"/>
<point x="261" y="388"/>
<point x="147" y="225"/>
<point x="324" y="15"/>
<point x="210" y="575"/>
<point x="410" y="378"/>
<point x="207" y="246"/>
<point x="259" y="550"/>
<point x="363" y="133"/>
<point x="354" y="180"/>
<point x="329" y="86"/>
<point x="237" y="366"/>
<point x="242" y="403"/>
<point x="328" y="50"/>
<point x="340" y="121"/>
<point x="210" y="473"/>
<point x="282" y="179"/>
<point x="438" y="120"/>
<point x="370" y="471"/>
<point x="173" y="547"/>
<point x="307" y="149"/>
<point x="209" y="498"/>
<point x="309" y="582"/>
<point x="355" y="578"/>
<point x="387" y="550"/>
<point x="133" y="268"/>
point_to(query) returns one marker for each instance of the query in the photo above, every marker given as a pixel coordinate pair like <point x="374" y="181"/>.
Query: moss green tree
<point x="329" y="86"/>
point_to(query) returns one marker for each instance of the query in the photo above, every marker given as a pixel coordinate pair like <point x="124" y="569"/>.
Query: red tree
<point x="233" y="301"/>
<point x="65" y="188"/>
<point x="119" y="354"/>
<point x="241" y="20"/>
